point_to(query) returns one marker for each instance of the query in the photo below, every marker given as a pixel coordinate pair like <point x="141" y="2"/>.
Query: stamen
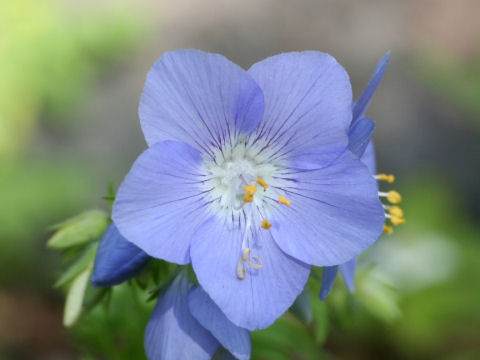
<point x="245" y="258"/>
<point x="397" y="220"/>
<point x="396" y="211"/>
<point x="250" y="190"/>
<point x="283" y="200"/>
<point x="245" y="254"/>
<point x="262" y="183"/>
<point x="266" y="224"/>
<point x="392" y="196"/>
<point x="257" y="264"/>
<point x="384" y="177"/>
<point x="387" y="229"/>
<point x="241" y="269"/>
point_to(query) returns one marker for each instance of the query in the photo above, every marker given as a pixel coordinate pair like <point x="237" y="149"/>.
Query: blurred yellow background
<point x="71" y="74"/>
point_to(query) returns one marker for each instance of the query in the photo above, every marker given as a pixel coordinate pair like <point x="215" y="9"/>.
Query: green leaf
<point x="82" y="229"/>
<point x="320" y="316"/>
<point x="79" y="265"/>
<point x="378" y="295"/>
<point x="302" y="307"/>
<point x="74" y="301"/>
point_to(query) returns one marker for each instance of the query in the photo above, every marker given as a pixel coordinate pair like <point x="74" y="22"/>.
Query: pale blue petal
<point x="360" y="135"/>
<point x="208" y="314"/>
<point x="172" y="332"/>
<point x="161" y="201"/>
<point x="117" y="259"/>
<point x="198" y="98"/>
<point x="328" y="278"/>
<point x="308" y="107"/>
<point x="335" y="213"/>
<point x="360" y="107"/>
<point x="348" y="273"/>
<point x="263" y="295"/>
<point x="368" y="158"/>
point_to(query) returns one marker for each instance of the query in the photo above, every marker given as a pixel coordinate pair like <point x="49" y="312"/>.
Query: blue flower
<point x="360" y="144"/>
<point x="248" y="176"/>
<point x="117" y="259"/>
<point x="186" y="324"/>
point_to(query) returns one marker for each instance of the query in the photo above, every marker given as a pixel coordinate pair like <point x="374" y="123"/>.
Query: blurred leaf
<point x="84" y="228"/>
<point x="74" y="301"/>
<point x="54" y="51"/>
<point x="302" y="307"/>
<point x="116" y="333"/>
<point x="453" y="77"/>
<point x="286" y="339"/>
<point x="378" y="295"/>
<point x="85" y="260"/>
<point x="95" y="296"/>
<point x="320" y="317"/>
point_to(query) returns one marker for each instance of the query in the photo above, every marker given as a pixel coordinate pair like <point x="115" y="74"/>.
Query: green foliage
<point x="79" y="265"/>
<point x="302" y="307"/>
<point x="378" y="295"/>
<point x="75" y="295"/>
<point x="456" y="79"/>
<point x="81" y="229"/>
<point x="49" y="55"/>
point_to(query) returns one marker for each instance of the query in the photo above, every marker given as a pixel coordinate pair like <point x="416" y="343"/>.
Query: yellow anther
<point x="396" y="211"/>
<point x="250" y="190"/>
<point x="387" y="229"/>
<point x="394" y="197"/>
<point x="248" y="198"/>
<point x="283" y="200"/>
<point x="262" y="183"/>
<point x="397" y="220"/>
<point x="266" y="224"/>
<point x="384" y="177"/>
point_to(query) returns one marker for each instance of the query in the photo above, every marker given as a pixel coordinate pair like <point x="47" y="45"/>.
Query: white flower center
<point x="244" y="185"/>
<point x="232" y="169"/>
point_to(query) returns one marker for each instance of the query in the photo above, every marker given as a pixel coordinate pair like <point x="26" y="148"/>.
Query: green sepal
<point x="81" y="229"/>
<point x="86" y="258"/>
<point x="75" y="295"/>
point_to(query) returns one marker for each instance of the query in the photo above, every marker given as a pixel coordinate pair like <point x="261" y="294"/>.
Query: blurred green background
<point x="70" y="78"/>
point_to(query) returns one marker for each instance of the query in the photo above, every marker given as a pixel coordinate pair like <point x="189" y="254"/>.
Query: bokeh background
<point x="71" y="73"/>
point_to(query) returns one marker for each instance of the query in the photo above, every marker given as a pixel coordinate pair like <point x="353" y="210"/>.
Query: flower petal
<point x="263" y="295"/>
<point x="360" y="107"/>
<point x="198" y="98"/>
<point x="172" y="332"/>
<point x="330" y="273"/>
<point x="328" y="278"/>
<point x="208" y="314"/>
<point x="368" y="158"/>
<point x="308" y="106"/>
<point x="335" y="213"/>
<point x="117" y="259"/>
<point x="360" y="135"/>
<point x="160" y="202"/>
<point x="348" y="273"/>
